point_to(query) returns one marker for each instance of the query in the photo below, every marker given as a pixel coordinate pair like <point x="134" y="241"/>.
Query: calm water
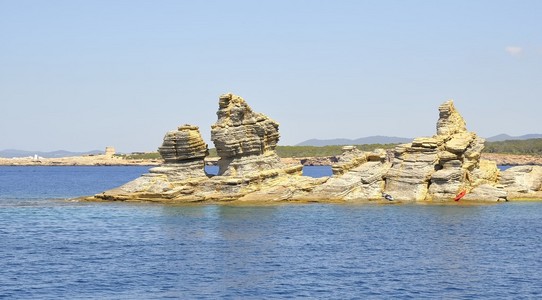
<point x="51" y="248"/>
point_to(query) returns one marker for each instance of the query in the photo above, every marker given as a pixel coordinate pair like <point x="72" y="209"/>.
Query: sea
<point x="52" y="247"/>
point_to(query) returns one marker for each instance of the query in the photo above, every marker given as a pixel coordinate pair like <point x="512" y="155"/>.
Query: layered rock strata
<point x="244" y="140"/>
<point x="358" y="176"/>
<point x="436" y="168"/>
<point x="183" y="144"/>
<point x="440" y="167"/>
<point x="523" y="182"/>
<point x="184" y="152"/>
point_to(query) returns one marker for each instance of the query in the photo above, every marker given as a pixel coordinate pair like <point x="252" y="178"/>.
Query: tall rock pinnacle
<point x="240" y="133"/>
<point x="450" y="121"/>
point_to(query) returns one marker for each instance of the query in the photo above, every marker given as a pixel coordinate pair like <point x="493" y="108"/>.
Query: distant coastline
<point x="87" y="160"/>
<point x="104" y="160"/>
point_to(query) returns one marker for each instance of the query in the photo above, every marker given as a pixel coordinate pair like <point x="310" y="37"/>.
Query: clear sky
<point x="82" y="75"/>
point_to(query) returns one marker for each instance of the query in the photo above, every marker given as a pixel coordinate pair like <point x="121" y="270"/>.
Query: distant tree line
<point x="531" y="147"/>
<point x="317" y="151"/>
<point x="314" y="151"/>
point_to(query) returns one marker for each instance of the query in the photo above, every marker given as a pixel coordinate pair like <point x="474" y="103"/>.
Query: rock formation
<point x="523" y="182"/>
<point x="433" y="168"/>
<point x="440" y="167"/>
<point x="244" y="140"/>
<point x="428" y="169"/>
<point x="183" y="151"/>
<point x="183" y="144"/>
<point x="358" y="176"/>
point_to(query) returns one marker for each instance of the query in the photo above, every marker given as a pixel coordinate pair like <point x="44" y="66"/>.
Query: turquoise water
<point x="52" y="248"/>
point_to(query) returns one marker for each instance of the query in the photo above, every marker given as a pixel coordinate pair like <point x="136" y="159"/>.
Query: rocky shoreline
<point x="446" y="167"/>
<point x="513" y="159"/>
<point x="94" y="160"/>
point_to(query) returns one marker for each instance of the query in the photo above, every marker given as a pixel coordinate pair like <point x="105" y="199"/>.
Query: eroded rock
<point x="523" y="182"/>
<point x="440" y="167"/>
<point x="183" y="144"/>
<point x="450" y="121"/>
<point x="433" y="168"/>
<point x="244" y="140"/>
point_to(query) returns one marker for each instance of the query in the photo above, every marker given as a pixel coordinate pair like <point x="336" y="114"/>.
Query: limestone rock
<point x="450" y="121"/>
<point x="446" y="183"/>
<point x="428" y="143"/>
<point x="362" y="183"/>
<point x="358" y="176"/>
<point x="433" y="168"/>
<point x="350" y="158"/>
<point x="438" y="168"/>
<point x="146" y="186"/>
<point x="459" y="142"/>
<point x="523" y="182"/>
<point x="287" y="188"/>
<point x="487" y="193"/>
<point x="380" y="155"/>
<point x="471" y="156"/>
<point x="239" y="132"/>
<point x="408" y="178"/>
<point x="183" y="151"/>
<point x="183" y="144"/>
<point x="246" y="165"/>
<point x="486" y="173"/>
<point x="181" y="171"/>
<point x="445" y="156"/>
<point x="245" y="142"/>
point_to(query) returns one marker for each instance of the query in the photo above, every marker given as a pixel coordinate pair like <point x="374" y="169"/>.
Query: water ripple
<point x="56" y="249"/>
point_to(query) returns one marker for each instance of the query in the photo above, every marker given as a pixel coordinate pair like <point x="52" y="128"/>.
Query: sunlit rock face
<point x="183" y="151"/>
<point x="523" y="182"/>
<point x="244" y="140"/>
<point x="358" y="176"/>
<point x="249" y="167"/>
<point x="433" y="168"/>
<point x="440" y="167"/>
<point x="450" y="121"/>
<point x="183" y="144"/>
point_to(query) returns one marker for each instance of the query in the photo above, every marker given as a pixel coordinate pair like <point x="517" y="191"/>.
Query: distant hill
<point x="377" y="139"/>
<point x="506" y="137"/>
<point x="9" y="153"/>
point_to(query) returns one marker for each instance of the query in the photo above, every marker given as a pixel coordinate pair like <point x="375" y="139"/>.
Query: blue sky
<point x="82" y="75"/>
